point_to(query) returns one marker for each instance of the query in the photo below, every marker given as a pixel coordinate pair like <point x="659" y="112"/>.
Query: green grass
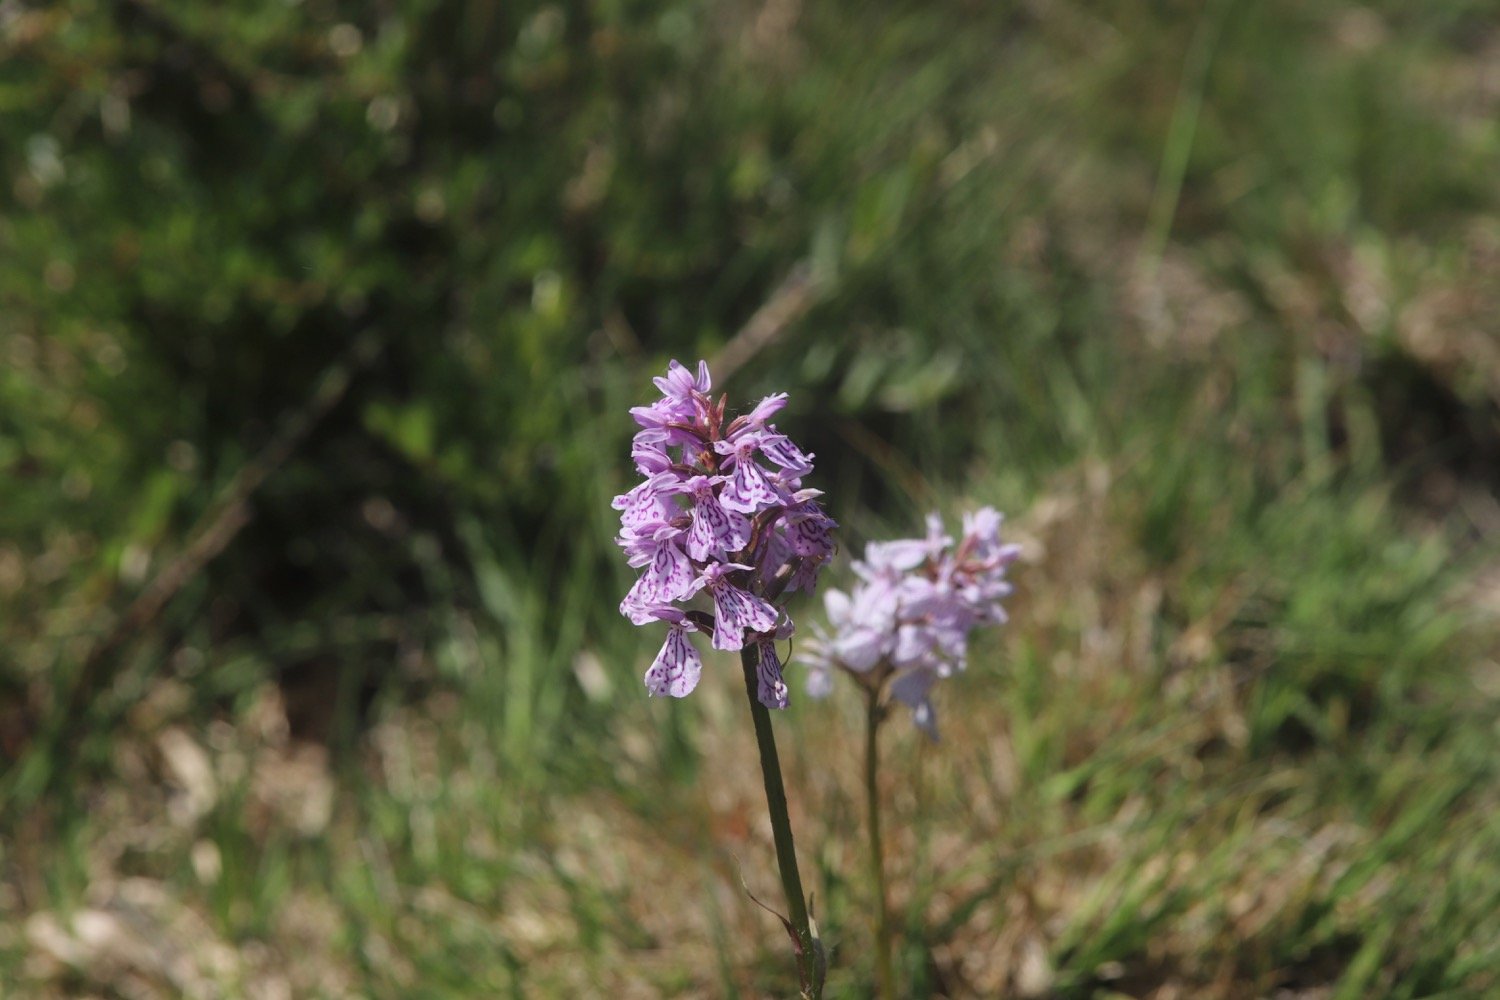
<point x="1202" y="305"/>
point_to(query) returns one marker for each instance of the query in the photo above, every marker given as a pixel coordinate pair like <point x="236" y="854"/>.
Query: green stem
<point x="885" y="973"/>
<point x="809" y="953"/>
<point x="1180" y="133"/>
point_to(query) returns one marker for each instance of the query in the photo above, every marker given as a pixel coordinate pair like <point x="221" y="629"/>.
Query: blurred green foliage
<point x="1031" y="241"/>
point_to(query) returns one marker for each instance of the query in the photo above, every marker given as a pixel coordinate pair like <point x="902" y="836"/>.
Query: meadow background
<point x="318" y="325"/>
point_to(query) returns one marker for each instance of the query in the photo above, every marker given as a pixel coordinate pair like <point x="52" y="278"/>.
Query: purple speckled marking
<point x="736" y="610"/>
<point x="715" y="531"/>
<point x="780" y="449"/>
<point x="772" y="689"/>
<point x="748" y="490"/>
<point x="670" y="574"/>
<point x="809" y="537"/>
<point x="677" y="667"/>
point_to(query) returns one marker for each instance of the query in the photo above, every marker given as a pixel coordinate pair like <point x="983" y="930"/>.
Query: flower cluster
<point x="710" y="518"/>
<point x="908" y="618"/>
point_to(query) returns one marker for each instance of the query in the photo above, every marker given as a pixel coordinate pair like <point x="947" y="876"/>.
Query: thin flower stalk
<point x="807" y="947"/>
<point x="885" y="974"/>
